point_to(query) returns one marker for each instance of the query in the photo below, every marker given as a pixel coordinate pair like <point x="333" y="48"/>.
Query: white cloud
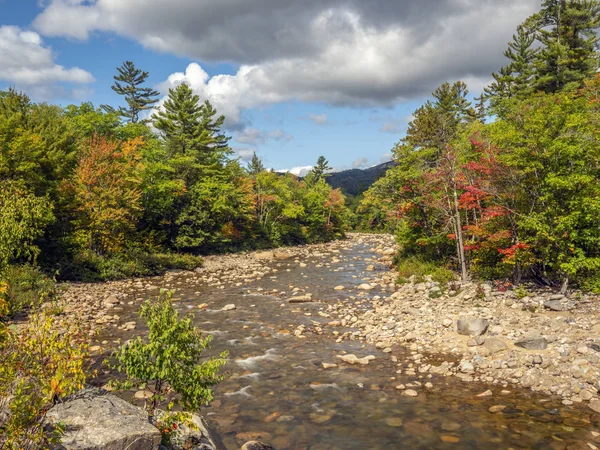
<point x="319" y="119"/>
<point x="299" y="171"/>
<point x="385" y="157"/>
<point x="28" y="64"/>
<point x="360" y="163"/>
<point x="343" y="52"/>
<point x="390" y="127"/>
<point x="244" y="153"/>
<point x="253" y="136"/>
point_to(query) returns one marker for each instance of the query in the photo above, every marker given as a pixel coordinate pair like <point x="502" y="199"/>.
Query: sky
<point x="296" y="79"/>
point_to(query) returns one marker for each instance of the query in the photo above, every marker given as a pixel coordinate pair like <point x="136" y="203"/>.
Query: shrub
<point x="420" y="269"/>
<point x="26" y="287"/>
<point x="169" y="364"/>
<point x="38" y="366"/>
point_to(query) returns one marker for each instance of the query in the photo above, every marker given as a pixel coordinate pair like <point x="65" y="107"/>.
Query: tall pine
<point x="128" y="83"/>
<point x="515" y="80"/>
<point x="566" y="30"/>
<point x="193" y="136"/>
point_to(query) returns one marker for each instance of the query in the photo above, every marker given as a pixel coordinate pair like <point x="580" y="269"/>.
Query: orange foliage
<point x="106" y="191"/>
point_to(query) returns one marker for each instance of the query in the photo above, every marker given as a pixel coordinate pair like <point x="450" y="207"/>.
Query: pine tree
<point x="128" y="84"/>
<point x="255" y="166"/>
<point x="566" y="30"/>
<point x="319" y="171"/>
<point x="191" y="132"/>
<point x="516" y="78"/>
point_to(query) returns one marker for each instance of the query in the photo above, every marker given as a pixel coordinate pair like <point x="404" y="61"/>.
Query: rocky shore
<point x="533" y="338"/>
<point x="527" y="337"/>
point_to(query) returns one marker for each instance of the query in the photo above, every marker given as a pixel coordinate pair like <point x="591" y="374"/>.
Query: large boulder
<point x="97" y="420"/>
<point x="533" y="343"/>
<point x="471" y="326"/>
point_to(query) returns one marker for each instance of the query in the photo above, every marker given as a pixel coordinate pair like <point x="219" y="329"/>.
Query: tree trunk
<point x="459" y="236"/>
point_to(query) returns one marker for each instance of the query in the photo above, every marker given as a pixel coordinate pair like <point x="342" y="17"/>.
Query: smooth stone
<point x="471" y="326"/>
<point x="533" y="343"/>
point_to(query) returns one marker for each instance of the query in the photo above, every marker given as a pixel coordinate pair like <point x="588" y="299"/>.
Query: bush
<point x="169" y="364"/>
<point x="38" y="366"/>
<point x="88" y="266"/>
<point x="26" y="287"/>
<point x="420" y="269"/>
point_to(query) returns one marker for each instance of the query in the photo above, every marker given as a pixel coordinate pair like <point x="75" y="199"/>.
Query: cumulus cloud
<point x="319" y="119"/>
<point x="253" y="136"/>
<point x="244" y="153"/>
<point x="341" y="52"/>
<point x="29" y="64"/>
<point x="299" y="171"/>
<point x="360" y="163"/>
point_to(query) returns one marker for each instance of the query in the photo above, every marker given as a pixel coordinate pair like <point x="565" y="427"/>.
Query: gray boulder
<point x="256" y="445"/>
<point x="533" y="343"/>
<point x="559" y="305"/>
<point x="97" y="420"/>
<point x="472" y="326"/>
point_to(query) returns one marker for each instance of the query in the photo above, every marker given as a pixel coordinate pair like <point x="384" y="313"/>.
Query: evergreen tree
<point x="128" y="83"/>
<point x="255" y="166"/>
<point x="516" y="78"/>
<point x="192" y="134"/>
<point x="566" y="30"/>
<point x="319" y="171"/>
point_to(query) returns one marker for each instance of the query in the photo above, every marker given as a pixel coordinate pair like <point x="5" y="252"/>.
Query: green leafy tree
<point x="170" y="363"/>
<point x="24" y="219"/>
<point x="128" y="83"/>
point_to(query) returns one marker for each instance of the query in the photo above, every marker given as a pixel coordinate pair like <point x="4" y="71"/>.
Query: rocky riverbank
<point x="537" y="339"/>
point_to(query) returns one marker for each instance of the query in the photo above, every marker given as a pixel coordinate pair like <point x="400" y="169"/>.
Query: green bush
<point x="420" y="269"/>
<point x="27" y="287"/>
<point x="88" y="266"/>
<point x="169" y="363"/>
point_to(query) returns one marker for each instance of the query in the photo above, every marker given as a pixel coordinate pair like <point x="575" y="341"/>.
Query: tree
<point x="517" y="77"/>
<point x="195" y="143"/>
<point x="566" y="30"/>
<point x="128" y="83"/>
<point x="170" y="364"/>
<point x="24" y="219"/>
<point x="320" y="170"/>
<point x="105" y="193"/>
<point x="255" y="166"/>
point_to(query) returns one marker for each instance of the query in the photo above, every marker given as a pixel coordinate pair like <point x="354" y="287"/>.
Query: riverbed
<point x="287" y="386"/>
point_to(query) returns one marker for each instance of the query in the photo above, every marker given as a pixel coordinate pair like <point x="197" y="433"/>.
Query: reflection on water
<point x="277" y="389"/>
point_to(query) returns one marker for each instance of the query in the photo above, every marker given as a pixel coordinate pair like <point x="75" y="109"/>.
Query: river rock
<point x="472" y="326"/>
<point x="353" y="359"/>
<point x="533" y="343"/>
<point x="558" y="305"/>
<point x="494" y="345"/>
<point x="256" y="445"/>
<point x="365" y="287"/>
<point x="595" y="405"/>
<point x="264" y="256"/>
<point x="197" y="435"/>
<point x="229" y="307"/>
<point x="97" y="420"/>
<point x="301" y="299"/>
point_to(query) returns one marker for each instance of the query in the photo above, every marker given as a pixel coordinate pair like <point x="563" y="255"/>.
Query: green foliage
<point x="419" y="268"/>
<point x="24" y="218"/>
<point x="170" y="364"/>
<point x="39" y="365"/>
<point x="128" y="83"/>
<point x="25" y="287"/>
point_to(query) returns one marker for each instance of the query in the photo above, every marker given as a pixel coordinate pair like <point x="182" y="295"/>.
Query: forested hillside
<point x="509" y="187"/>
<point x="98" y="193"/>
<point x="356" y="181"/>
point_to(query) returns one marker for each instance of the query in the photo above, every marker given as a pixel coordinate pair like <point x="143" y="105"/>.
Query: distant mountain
<point x="355" y="181"/>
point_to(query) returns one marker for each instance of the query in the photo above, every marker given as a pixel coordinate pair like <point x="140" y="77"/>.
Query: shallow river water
<point x="277" y="390"/>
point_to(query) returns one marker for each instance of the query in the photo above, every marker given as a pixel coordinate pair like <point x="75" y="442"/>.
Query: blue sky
<point x="296" y="80"/>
